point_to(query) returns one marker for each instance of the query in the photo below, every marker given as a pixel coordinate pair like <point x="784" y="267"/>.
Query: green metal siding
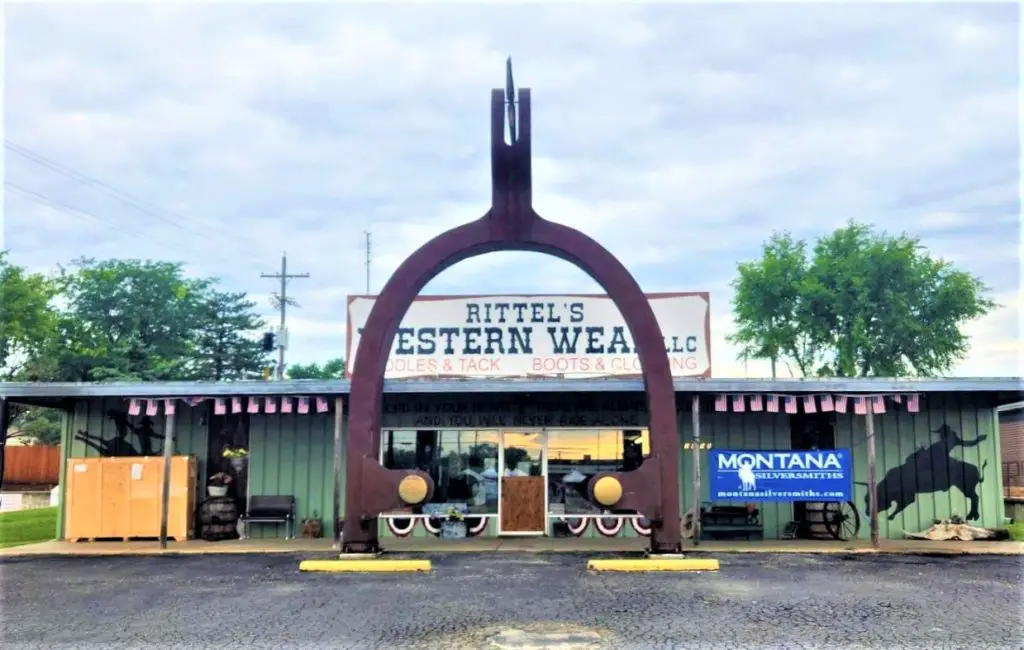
<point x="65" y="437"/>
<point x="190" y="430"/>
<point x="898" y="434"/>
<point x="733" y="431"/>
<point x="292" y="454"/>
<point x="190" y="435"/>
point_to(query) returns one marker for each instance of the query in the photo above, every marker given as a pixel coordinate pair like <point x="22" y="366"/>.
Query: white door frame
<point x="543" y="432"/>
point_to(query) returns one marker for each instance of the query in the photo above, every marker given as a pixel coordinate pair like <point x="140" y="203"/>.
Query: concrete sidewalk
<point x="509" y="545"/>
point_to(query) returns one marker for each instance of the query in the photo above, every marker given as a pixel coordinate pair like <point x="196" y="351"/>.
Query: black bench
<point x="730" y="522"/>
<point x="270" y="509"/>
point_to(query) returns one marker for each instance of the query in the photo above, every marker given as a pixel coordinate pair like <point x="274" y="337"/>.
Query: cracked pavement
<point x="514" y="600"/>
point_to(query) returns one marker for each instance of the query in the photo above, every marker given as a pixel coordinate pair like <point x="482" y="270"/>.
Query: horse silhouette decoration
<point x="935" y="470"/>
<point x="120" y="445"/>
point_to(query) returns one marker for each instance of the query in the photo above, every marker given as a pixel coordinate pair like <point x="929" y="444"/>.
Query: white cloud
<point x="997" y="341"/>
<point x="679" y="136"/>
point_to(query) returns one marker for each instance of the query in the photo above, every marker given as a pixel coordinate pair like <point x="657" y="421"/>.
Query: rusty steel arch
<point x="510" y="225"/>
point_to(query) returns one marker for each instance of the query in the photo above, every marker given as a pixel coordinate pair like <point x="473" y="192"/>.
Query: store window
<point x="576" y="456"/>
<point x="463" y="464"/>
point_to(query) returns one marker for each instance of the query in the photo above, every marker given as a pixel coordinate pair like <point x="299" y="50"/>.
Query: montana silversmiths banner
<point x="546" y="335"/>
<point x="820" y="475"/>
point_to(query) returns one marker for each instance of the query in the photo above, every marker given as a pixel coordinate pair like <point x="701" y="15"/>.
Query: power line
<point x="70" y="210"/>
<point x="282" y="304"/>
<point x="124" y="197"/>
<point x="135" y="202"/>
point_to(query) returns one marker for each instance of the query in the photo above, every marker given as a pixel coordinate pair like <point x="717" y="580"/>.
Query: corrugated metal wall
<point x="92" y="416"/>
<point x="899" y="434"/>
<point x="733" y="431"/>
<point x="292" y="454"/>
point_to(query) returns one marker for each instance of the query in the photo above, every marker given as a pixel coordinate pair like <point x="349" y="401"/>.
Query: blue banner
<point x="821" y="475"/>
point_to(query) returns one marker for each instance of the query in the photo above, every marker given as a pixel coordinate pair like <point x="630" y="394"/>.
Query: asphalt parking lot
<point x="505" y="600"/>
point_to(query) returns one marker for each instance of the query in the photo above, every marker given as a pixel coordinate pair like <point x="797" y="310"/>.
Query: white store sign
<point x="521" y="336"/>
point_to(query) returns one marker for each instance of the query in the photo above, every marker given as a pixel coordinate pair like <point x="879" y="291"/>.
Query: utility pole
<point x="283" y="306"/>
<point x="368" y="258"/>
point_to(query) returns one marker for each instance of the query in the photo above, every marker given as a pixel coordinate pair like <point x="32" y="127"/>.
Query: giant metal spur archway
<point x="510" y="225"/>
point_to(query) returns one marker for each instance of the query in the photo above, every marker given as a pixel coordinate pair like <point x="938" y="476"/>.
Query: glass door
<point x="524" y="485"/>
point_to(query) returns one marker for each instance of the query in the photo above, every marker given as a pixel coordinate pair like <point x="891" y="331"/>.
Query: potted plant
<point x="454" y="525"/>
<point x="236" y="457"/>
<point x="312" y="527"/>
<point x="218" y="484"/>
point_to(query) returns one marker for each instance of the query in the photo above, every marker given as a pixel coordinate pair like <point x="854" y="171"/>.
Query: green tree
<point x="768" y="306"/>
<point x="28" y="320"/>
<point x="223" y="348"/>
<point x="37" y="424"/>
<point x="865" y="304"/>
<point x="332" y="369"/>
<point x="128" y="320"/>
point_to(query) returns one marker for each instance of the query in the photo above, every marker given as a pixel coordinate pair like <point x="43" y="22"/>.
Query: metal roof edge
<point x="426" y="386"/>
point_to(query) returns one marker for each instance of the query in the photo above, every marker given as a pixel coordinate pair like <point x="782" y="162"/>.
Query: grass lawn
<point x="27" y="526"/>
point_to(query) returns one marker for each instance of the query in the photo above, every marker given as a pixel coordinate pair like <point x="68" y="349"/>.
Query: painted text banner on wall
<point x="761" y="475"/>
<point x="519" y="336"/>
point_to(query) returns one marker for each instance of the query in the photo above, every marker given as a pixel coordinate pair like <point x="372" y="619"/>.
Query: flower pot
<point x="238" y="463"/>
<point x="453" y="529"/>
<point x="312" y="528"/>
<point x="217" y="490"/>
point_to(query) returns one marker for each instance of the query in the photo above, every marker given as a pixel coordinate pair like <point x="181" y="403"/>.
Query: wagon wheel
<point x="842" y="521"/>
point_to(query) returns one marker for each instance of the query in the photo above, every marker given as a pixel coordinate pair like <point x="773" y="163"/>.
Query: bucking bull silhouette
<point x="924" y="463"/>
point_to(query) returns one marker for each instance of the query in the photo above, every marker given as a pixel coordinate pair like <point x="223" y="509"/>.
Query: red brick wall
<point x="1011" y="439"/>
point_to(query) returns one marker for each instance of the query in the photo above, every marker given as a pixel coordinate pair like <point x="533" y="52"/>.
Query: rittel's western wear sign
<point x="825" y="475"/>
<point x="519" y="336"/>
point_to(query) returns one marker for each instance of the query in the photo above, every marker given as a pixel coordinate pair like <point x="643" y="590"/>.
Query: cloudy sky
<point x="678" y="135"/>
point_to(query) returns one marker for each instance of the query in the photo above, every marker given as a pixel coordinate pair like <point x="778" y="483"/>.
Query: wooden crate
<point x="120" y="497"/>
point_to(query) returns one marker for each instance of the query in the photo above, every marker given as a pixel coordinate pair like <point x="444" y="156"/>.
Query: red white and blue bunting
<point x="478" y="527"/>
<point x="431" y="525"/>
<point x="576" y="525"/>
<point x="401" y="527"/>
<point x="641" y="525"/>
<point x="609" y="527"/>
<point x="815" y="403"/>
<point x="723" y="402"/>
<point x="221" y="405"/>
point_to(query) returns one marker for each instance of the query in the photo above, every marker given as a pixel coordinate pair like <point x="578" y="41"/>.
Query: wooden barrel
<point x="814" y="513"/>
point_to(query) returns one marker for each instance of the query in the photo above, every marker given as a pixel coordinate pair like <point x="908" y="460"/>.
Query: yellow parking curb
<point x="654" y="564"/>
<point x="365" y="566"/>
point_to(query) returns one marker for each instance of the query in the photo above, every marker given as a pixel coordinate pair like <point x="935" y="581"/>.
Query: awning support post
<point x="872" y="475"/>
<point x="695" y="409"/>
<point x="336" y="507"/>
<point x="165" y="495"/>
